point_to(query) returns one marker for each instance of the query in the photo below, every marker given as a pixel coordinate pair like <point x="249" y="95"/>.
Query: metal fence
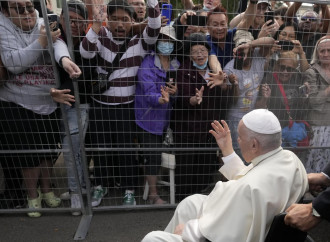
<point x="112" y="148"/>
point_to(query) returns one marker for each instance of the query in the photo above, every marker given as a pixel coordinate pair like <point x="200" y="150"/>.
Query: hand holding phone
<point x="303" y="90"/>
<point x="167" y="12"/>
<point x="239" y="59"/>
<point x="53" y="21"/>
<point x="286" y="45"/>
<point x="269" y="16"/>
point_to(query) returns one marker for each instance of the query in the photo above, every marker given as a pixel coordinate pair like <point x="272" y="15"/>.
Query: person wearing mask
<point x="243" y="208"/>
<point x="154" y="97"/>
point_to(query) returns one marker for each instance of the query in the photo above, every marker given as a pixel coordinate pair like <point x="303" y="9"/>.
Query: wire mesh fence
<point x="109" y="97"/>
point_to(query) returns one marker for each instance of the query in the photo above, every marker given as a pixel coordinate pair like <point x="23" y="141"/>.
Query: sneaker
<point x="75" y="204"/>
<point x="129" y="199"/>
<point x="98" y="193"/>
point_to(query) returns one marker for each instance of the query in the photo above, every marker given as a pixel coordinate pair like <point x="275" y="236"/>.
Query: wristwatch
<point x="315" y="213"/>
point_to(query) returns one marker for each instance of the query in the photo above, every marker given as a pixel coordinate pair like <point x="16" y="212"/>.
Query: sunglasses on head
<point x="310" y="19"/>
<point x="21" y="10"/>
<point x="287" y="68"/>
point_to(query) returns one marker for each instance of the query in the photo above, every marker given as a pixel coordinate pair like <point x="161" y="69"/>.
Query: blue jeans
<point x="74" y="132"/>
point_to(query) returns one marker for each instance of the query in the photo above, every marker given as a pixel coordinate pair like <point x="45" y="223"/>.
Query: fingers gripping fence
<point x="94" y="121"/>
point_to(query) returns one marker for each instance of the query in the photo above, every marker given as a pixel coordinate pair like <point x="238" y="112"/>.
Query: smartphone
<point x="196" y="20"/>
<point x="302" y="90"/>
<point x="171" y="77"/>
<point x="286" y="45"/>
<point x="167" y="12"/>
<point x="269" y="16"/>
<point x="51" y="19"/>
<point x="239" y="59"/>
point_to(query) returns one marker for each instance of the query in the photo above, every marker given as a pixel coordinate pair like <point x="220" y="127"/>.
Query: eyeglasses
<point x="202" y="51"/>
<point x="310" y="19"/>
<point x="76" y="22"/>
<point x="21" y="10"/>
<point x="287" y="68"/>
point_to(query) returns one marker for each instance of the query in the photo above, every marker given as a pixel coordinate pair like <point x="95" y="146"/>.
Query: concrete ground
<point x="118" y="226"/>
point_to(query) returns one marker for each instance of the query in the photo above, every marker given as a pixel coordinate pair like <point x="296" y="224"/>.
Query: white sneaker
<point x="67" y="195"/>
<point x="75" y="204"/>
<point x="98" y="193"/>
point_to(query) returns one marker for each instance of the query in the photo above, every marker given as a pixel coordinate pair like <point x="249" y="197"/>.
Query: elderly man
<point x="307" y="216"/>
<point x="242" y="209"/>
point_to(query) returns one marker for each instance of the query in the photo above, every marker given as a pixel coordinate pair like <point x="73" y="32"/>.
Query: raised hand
<point x="172" y="88"/>
<point x="99" y="10"/>
<point x="222" y="135"/>
<point x="165" y="98"/>
<point x="199" y="95"/>
<point x="216" y="79"/>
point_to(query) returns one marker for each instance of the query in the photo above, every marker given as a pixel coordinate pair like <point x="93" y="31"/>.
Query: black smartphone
<point x="171" y="77"/>
<point x="286" y="45"/>
<point x="239" y="59"/>
<point x="51" y="19"/>
<point x="196" y="20"/>
<point x="269" y="16"/>
<point x="302" y="90"/>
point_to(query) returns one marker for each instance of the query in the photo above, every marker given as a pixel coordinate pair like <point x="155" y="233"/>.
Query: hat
<point x="196" y="39"/>
<point x="120" y="4"/>
<point x="78" y="7"/>
<point x="262" y="121"/>
<point x="242" y="37"/>
<point x="170" y="32"/>
<point x="264" y="1"/>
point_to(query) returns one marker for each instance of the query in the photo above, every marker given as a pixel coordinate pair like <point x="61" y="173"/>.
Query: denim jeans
<point x="74" y="132"/>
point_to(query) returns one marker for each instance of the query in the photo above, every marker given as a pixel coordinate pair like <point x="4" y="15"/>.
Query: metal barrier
<point x="105" y="158"/>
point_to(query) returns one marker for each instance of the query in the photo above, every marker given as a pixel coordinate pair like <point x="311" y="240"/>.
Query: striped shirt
<point x="105" y="47"/>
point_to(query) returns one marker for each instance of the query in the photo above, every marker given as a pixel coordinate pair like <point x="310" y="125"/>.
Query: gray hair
<point x="315" y="56"/>
<point x="266" y="141"/>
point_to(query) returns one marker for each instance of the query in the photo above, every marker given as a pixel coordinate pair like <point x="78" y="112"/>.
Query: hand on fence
<point x="71" y="68"/>
<point x="62" y="96"/>
<point x="165" y="98"/>
<point x="222" y="135"/>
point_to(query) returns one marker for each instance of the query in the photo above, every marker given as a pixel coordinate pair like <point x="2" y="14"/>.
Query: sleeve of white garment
<point x="191" y="232"/>
<point x="233" y="165"/>
<point x="60" y="50"/>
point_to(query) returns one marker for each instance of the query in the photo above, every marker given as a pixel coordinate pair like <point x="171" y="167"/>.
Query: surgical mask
<point x="206" y="9"/>
<point x="201" y="67"/>
<point x="165" y="48"/>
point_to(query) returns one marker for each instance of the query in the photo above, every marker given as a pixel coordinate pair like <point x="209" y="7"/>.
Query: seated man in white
<point x="243" y="208"/>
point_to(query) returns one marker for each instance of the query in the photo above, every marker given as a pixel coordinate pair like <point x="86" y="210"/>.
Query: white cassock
<point x="243" y="208"/>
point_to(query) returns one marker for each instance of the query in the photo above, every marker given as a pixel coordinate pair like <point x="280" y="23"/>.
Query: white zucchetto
<point x="262" y="121"/>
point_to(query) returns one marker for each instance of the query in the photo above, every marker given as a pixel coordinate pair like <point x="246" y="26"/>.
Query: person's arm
<point x="249" y="16"/>
<point x="18" y="60"/>
<point x="264" y="95"/>
<point x="214" y="63"/>
<point x="187" y="4"/>
<point x="150" y="33"/>
<point x="292" y="10"/>
<point x="325" y="18"/>
<point x="236" y="20"/>
<point x="264" y="43"/>
<point x="298" y="49"/>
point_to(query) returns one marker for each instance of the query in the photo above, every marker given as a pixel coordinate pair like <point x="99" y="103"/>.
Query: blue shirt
<point x="226" y="54"/>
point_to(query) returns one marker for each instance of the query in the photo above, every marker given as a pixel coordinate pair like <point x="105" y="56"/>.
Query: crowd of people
<point x="132" y="79"/>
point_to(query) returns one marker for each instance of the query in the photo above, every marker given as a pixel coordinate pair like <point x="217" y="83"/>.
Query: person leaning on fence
<point x="307" y="216"/>
<point x="112" y="115"/>
<point x="31" y="115"/>
<point x="243" y="208"/>
<point x="68" y="70"/>
<point x="220" y="38"/>
<point x="202" y="97"/>
<point x="318" y="77"/>
<point x="154" y="97"/>
<point x="249" y="77"/>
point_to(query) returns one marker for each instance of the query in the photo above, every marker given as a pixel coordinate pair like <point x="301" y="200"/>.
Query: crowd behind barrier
<point x="132" y="81"/>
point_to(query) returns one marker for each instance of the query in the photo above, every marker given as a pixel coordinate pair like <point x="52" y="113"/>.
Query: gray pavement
<point x="113" y="226"/>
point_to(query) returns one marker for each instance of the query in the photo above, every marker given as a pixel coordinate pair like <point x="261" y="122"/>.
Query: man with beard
<point x="308" y="26"/>
<point x="112" y="121"/>
<point x="220" y="38"/>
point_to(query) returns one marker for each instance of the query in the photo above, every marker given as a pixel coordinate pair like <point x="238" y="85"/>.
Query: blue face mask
<point x="165" y="48"/>
<point x="202" y="67"/>
<point x="206" y="9"/>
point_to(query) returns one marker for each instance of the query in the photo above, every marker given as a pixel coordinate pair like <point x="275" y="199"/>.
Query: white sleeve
<point x="232" y="167"/>
<point x="191" y="232"/>
<point x="60" y="50"/>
